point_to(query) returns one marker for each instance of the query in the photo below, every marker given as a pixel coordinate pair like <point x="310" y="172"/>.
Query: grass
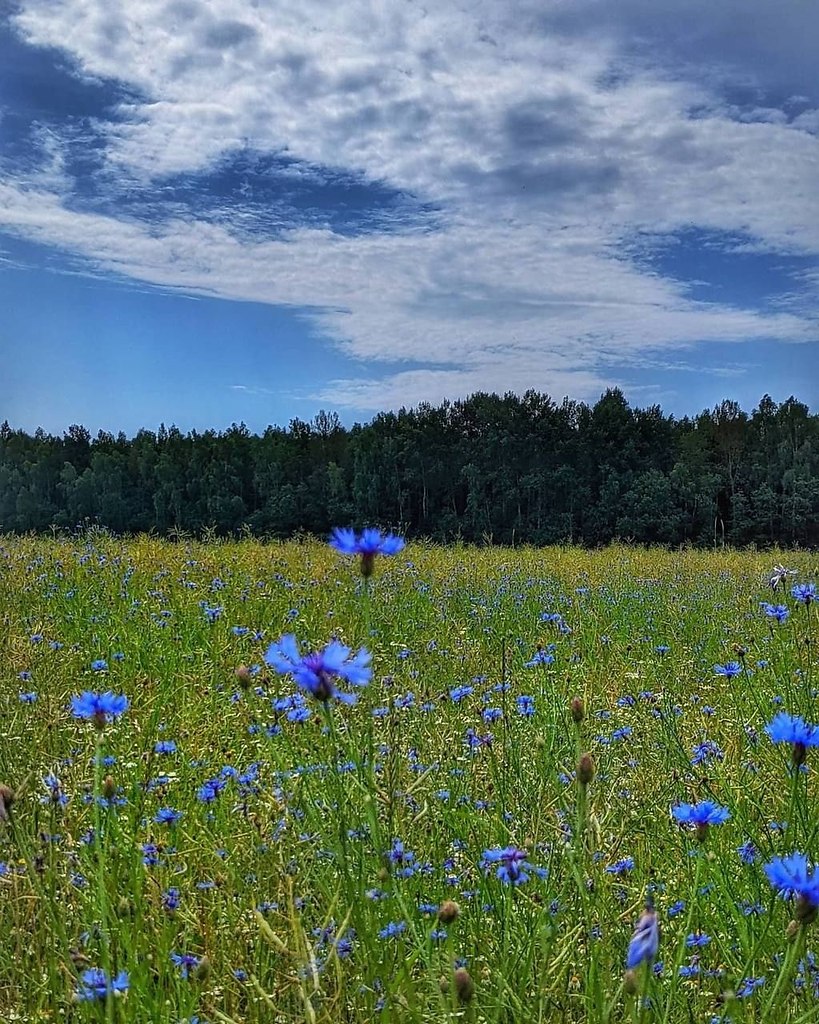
<point x="293" y="899"/>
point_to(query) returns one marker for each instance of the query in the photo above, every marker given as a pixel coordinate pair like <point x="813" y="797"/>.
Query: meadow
<point x="569" y="788"/>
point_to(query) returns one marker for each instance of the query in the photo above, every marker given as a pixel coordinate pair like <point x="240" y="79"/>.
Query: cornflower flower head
<point x="317" y="673"/>
<point x="729" y="669"/>
<point x="185" y="962"/>
<point x="100" y="665"/>
<point x="778" y="575"/>
<point x="512" y="865"/>
<point x="99" y="707"/>
<point x="167" y="816"/>
<point x="780" y="612"/>
<point x="542" y="656"/>
<point x="793" y="876"/>
<point x="621" y="866"/>
<point x="700" y="815"/>
<point x="804" y="593"/>
<point x="785" y="728"/>
<point x="367" y="545"/>
<point x="95" y="984"/>
<point x="645" y="942"/>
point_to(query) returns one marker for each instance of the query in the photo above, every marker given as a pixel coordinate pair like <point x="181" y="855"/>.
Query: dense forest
<point x="487" y="469"/>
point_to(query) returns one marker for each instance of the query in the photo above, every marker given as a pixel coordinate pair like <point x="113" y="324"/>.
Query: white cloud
<point x="545" y="153"/>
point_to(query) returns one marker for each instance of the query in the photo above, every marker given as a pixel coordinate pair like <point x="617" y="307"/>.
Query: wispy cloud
<point x="502" y="160"/>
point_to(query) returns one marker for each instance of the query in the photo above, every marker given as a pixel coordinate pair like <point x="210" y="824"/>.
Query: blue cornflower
<point x="748" y="986"/>
<point x="186" y="962"/>
<point x="165" y="747"/>
<point x="171" y="900"/>
<point x="370" y="543"/>
<point x="780" y="612"/>
<point x="729" y="669"/>
<point x="792" y="876"/>
<point x="512" y="865"/>
<point x="95" y="984"/>
<point x="393" y="929"/>
<point x="167" y="816"/>
<point x="101" y="707"/>
<point x="621" y="866"/>
<point x="705" y="752"/>
<point x="542" y="656"/>
<point x="459" y="692"/>
<point x="785" y="728"/>
<point x="100" y="665"/>
<point x="701" y="815"/>
<point x="645" y="941"/>
<point x="316" y="673"/>
<point x="696" y="940"/>
<point x="804" y="593"/>
<point x="490" y="715"/>
<point x="28" y="698"/>
<point x="525" y="705"/>
<point x="747" y="852"/>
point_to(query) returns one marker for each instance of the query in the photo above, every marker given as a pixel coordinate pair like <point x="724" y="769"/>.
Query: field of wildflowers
<point x="358" y="781"/>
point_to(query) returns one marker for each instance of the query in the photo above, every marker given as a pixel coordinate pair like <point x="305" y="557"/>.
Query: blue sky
<point x="214" y="212"/>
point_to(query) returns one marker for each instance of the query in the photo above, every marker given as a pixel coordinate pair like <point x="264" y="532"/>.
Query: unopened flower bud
<point x="243" y="676"/>
<point x="585" y="769"/>
<point x="578" y="710"/>
<point x="443" y="984"/>
<point x="448" y="911"/>
<point x="464" y="985"/>
<point x="630" y="982"/>
<point x="202" y="969"/>
<point x="792" y="930"/>
<point x="367" y="564"/>
<point x="6" y="801"/>
<point x="109" y="787"/>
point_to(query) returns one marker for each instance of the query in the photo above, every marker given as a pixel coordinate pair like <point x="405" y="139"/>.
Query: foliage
<point x="559" y="768"/>
<point x="507" y="469"/>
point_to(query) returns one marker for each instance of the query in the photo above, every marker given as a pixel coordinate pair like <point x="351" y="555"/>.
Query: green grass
<point x="306" y="839"/>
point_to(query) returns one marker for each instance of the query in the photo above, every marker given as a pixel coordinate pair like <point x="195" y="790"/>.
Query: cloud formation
<point x="526" y="159"/>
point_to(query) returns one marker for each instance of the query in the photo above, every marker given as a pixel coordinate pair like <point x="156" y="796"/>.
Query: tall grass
<point x="336" y="871"/>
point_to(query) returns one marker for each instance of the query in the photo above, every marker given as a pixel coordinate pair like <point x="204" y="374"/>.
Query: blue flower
<point x="785" y="728"/>
<point x="167" y="816"/>
<point x="696" y="940"/>
<point x="729" y="670"/>
<point x="459" y="692"/>
<point x="804" y="593"/>
<point x="370" y="543"/>
<point x="701" y="815"/>
<point x="747" y="852"/>
<point x="317" y="673"/>
<point x="780" y="612"/>
<point x="748" y="986"/>
<point x="28" y="698"/>
<point x="542" y="656"/>
<point x="393" y="929"/>
<point x="100" y="665"/>
<point x="165" y="747"/>
<point x="101" y="707"/>
<point x="512" y="865"/>
<point x="95" y="984"/>
<point x="621" y="866"/>
<point x="186" y="962"/>
<point x="525" y="705"/>
<point x="645" y="941"/>
<point x="792" y="876"/>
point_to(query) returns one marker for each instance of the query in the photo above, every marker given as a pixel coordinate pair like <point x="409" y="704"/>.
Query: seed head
<point x="464" y="985"/>
<point x="578" y="710"/>
<point x="585" y="769"/>
<point x="448" y="911"/>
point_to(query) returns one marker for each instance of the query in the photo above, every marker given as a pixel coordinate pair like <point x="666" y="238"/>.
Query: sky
<point x="250" y="210"/>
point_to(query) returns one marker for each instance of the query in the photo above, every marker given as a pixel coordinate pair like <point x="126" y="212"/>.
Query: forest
<point x="487" y="469"/>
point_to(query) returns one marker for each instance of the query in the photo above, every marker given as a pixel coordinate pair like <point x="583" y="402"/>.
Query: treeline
<point x="489" y="468"/>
